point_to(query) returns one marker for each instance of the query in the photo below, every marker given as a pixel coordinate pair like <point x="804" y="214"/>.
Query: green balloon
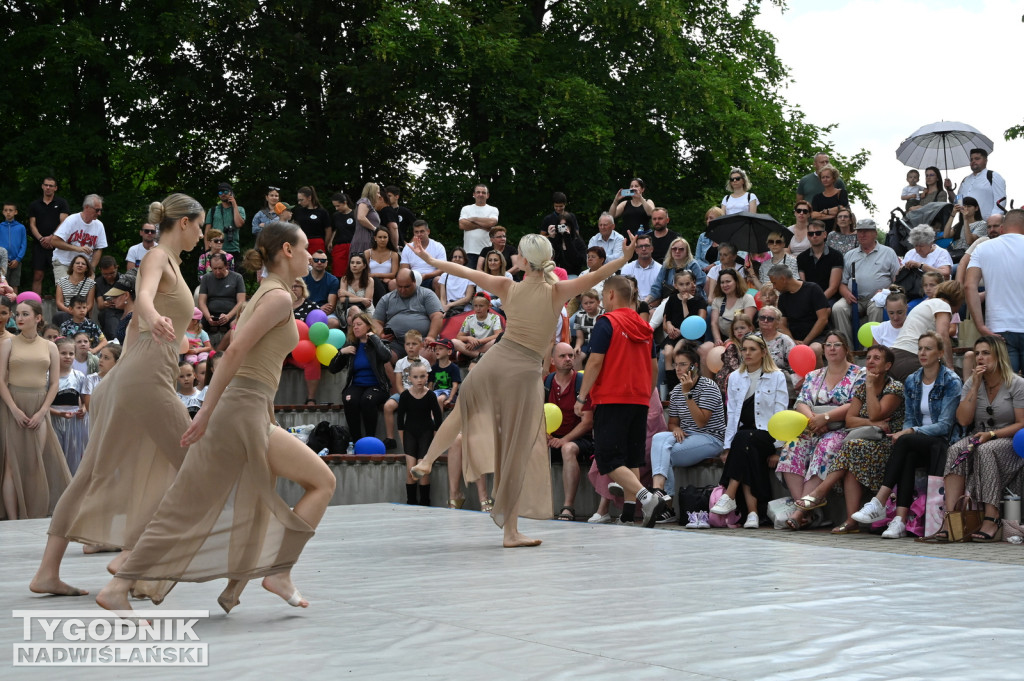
<point x="318" y="333"/>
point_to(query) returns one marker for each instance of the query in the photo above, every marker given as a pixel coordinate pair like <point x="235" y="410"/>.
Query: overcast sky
<point x="881" y="70"/>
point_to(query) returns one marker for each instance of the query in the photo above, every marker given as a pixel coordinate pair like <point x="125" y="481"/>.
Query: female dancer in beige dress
<point x="508" y="424"/>
<point x="136" y="417"/>
<point x="222" y="517"/>
<point x="31" y="461"/>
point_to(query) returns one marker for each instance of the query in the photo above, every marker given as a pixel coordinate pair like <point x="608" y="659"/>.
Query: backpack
<point x="320" y="438"/>
<point x="339" y="440"/>
<point x="551" y="377"/>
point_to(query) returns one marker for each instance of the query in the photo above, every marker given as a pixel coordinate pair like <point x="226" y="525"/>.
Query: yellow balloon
<point x="552" y="417"/>
<point x="325" y="352"/>
<point x="786" y="426"/>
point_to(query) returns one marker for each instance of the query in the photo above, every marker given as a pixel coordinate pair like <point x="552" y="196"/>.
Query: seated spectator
<point x="301" y="307"/>
<point x="994" y="223"/>
<point x="499" y="243"/>
<point x="122" y="297"/>
<point x="800" y="241"/>
<point x="77" y="284"/>
<point x="678" y="259"/>
<point x="69" y="411"/>
<point x="301" y="304"/>
<point x="644" y="269"/>
<point x="480" y="330"/>
<point x="107" y="316"/>
<point x="199" y="347"/>
<point x="455" y="292"/>
<point x="757" y="272"/>
<point x="844" y="238"/>
<point x="494" y="264"/>
<point x="932" y="396"/>
<point x="969" y="224"/>
<point x="707" y="250"/>
<point x="323" y="286"/>
<point x="739" y="199"/>
<point x="803" y="307"/>
<point x="779" y="344"/>
<point x="355" y="290"/>
<point x="367" y="387"/>
<point x="727" y="261"/>
<point x="932" y="190"/>
<point x="821" y="264"/>
<point x="825" y="206"/>
<point x="583" y="322"/>
<point x="408" y="307"/>
<point x="896" y="308"/>
<point x="107" y="359"/>
<point x="50" y="331"/>
<point x="757" y="391"/>
<point x="215" y="242"/>
<point x="860" y="463"/>
<point x="221" y="297"/>
<point x="409" y="260"/>
<point x="825" y="400"/>
<point x="14" y="242"/>
<point x="401" y="381"/>
<point x="445" y="377"/>
<point x="992" y="403"/>
<point x="913" y="191"/>
<point x="932" y="315"/>
<point x="596" y="258"/>
<point x="925" y="254"/>
<point x="79" y="323"/>
<point x="606" y="238"/>
<point x="732" y="357"/>
<point x="730" y="299"/>
<point x="572" y="443"/>
<point x="876" y="266"/>
<point x="188" y="392"/>
<point x="696" y="424"/>
<point x="383" y="259"/>
<point x="7" y="318"/>
<point x="686" y="302"/>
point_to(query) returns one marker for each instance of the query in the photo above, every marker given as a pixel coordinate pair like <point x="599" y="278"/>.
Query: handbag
<point x="961" y="523"/>
<point x="873" y="433"/>
<point x="824" y="409"/>
<point x="967" y="334"/>
<point x="911" y="280"/>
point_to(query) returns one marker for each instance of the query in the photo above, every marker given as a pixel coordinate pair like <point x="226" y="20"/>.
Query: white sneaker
<point x="703" y="523"/>
<point x="615" y="489"/>
<point x="724" y="506"/>
<point x="753" y="522"/>
<point x="597" y="518"/>
<point x="652" y="507"/>
<point x="693" y="523"/>
<point x="872" y="512"/>
<point x="897" y="529"/>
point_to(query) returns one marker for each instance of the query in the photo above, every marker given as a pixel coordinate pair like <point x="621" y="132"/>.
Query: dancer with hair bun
<point x="222" y="517"/>
<point x="518" y="455"/>
<point x="137" y="420"/>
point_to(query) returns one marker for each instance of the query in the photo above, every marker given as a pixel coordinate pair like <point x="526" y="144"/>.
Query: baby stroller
<point x="901" y="222"/>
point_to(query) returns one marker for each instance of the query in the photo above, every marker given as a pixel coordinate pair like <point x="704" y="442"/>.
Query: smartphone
<point x="626" y="192"/>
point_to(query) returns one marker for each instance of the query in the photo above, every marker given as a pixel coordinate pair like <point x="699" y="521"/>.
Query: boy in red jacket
<point x="619" y="379"/>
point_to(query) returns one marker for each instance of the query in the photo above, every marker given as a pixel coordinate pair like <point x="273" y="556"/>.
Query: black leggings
<point x="417" y="444"/>
<point x="362" y="404"/>
<point x="911" y="451"/>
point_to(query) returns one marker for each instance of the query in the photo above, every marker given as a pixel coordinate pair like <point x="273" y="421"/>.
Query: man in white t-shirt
<point x="476" y="221"/>
<point x="999" y="262"/>
<point x="421" y="232"/>
<point x="137" y="252"/>
<point x="80" y="233"/>
<point x="986" y="186"/>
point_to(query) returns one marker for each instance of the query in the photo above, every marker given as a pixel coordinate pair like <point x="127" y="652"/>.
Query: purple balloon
<point x="316" y="316"/>
<point x="29" y="295"/>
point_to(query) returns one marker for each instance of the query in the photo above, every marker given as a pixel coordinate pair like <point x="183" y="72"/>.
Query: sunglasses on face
<point x="817" y="232"/>
<point x="319" y="259"/>
<point x="149" y="231"/>
<point x="735" y="179"/>
<point x="678" y="248"/>
<point x="216" y="241"/>
<point x="765" y="319"/>
<point x="775" y="241"/>
<point x="802" y="211"/>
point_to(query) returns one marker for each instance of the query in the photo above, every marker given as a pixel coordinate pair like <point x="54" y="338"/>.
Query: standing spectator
<point x="933" y="190"/>
<point x="583" y="322"/>
<point x="419" y="417"/>
<point x="137" y="252"/>
<point x="810" y="184"/>
<point x="804" y="308"/>
<point x="401" y="380"/>
<point x="844" y="238"/>
<point x="266" y="215"/>
<point x="499" y="243"/>
<point x="322" y="285"/>
<point x="559" y="214"/>
<point x="312" y="218"/>
<point x="342" y="231"/>
<point x="13" y="240"/>
<point x="645" y="269"/>
<point x="679" y="259"/>
<point x="634" y="209"/>
<point x="820" y="264"/>
<point x="476" y="221"/>
<point x="800" y="241"/>
<point x="80" y="233"/>
<point x="107" y="314"/>
<point x="827" y="203"/>
<point x="739" y="199"/>
<point x="607" y="238"/>
<point x="78" y="323"/>
<point x="228" y="217"/>
<point x="69" y="412"/>
<point x="409" y="260"/>
<point x="572" y="443"/>
<point x="662" y="237"/>
<point x="215" y="238"/>
<point x="221" y="297"/>
<point x="566" y="246"/>
<point x="986" y="186"/>
<point x="383" y="260"/>
<point x="397" y="219"/>
<point x="367" y="217"/>
<point x="44" y="216"/>
<point x="874" y="266"/>
<point x="999" y="262"/>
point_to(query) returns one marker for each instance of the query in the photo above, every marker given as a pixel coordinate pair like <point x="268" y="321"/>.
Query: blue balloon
<point x="693" y="327"/>
<point x="370" y="445"/>
<point x="1018" y="443"/>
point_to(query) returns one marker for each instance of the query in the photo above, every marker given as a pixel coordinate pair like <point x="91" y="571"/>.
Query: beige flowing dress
<point x="222" y="517"/>
<point x="501" y="405"/>
<point x="136" y="423"/>
<point x="38" y="468"/>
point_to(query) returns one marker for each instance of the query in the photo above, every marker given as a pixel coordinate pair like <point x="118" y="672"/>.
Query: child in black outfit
<point x="419" y="415"/>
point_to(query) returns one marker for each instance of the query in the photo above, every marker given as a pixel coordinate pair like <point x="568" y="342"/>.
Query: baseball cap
<point x="281" y="207"/>
<point x="125" y="284"/>
<point x="224" y="187"/>
<point x="445" y="342"/>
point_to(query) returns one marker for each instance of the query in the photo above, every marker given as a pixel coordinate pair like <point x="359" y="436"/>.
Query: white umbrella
<point x="946" y="144"/>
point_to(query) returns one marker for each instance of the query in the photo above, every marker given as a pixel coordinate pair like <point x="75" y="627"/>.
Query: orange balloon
<point x="714" y="359"/>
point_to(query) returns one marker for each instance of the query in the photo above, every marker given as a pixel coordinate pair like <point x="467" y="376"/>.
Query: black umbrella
<point x="747" y="231"/>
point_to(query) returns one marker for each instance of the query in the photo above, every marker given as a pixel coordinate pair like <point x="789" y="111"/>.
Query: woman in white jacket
<point x="757" y="391"/>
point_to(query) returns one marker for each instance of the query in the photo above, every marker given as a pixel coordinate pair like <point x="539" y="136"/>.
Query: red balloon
<point x="757" y="301"/>
<point x="304" y="352"/>
<point x="802" y="359"/>
<point x="303" y="329"/>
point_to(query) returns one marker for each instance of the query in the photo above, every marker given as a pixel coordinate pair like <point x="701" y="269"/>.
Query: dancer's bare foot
<point x="54" y="586"/>
<point x="99" y="548"/>
<point x="119" y="560"/>
<point x="517" y="539"/>
<point x="281" y="585"/>
<point x="111" y="598"/>
<point x="420" y="470"/>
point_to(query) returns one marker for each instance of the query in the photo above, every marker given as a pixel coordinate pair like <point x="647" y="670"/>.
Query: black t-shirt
<point x="820" y="271"/>
<point x="800" y="309"/>
<point x="344" y="225"/>
<point x="634" y="218"/>
<point x="47" y="215"/>
<point x="312" y="220"/>
<point x="675" y="312"/>
<point x="822" y="202"/>
<point x="405" y="219"/>
<point x="661" y="244"/>
<point x="554" y="218"/>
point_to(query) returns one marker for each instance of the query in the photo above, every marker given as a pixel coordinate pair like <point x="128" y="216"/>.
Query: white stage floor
<point x="403" y="593"/>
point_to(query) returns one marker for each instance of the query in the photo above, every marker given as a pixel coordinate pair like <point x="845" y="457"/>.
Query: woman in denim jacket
<point x="924" y="438"/>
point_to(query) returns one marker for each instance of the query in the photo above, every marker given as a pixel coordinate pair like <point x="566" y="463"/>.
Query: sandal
<point x="487" y="506"/>
<point x="798" y="525"/>
<point x="941" y="536"/>
<point x="311" y="401"/>
<point x="456" y="503"/>
<point x="986" y="538"/>
<point x="567" y="513"/>
<point x="809" y="503"/>
<point x="846" y="528"/>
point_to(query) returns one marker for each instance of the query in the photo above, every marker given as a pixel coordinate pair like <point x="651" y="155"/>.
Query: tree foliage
<point x="134" y="99"/>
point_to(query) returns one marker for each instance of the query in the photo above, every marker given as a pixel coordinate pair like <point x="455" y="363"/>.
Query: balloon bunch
<point x="317" y="341"/>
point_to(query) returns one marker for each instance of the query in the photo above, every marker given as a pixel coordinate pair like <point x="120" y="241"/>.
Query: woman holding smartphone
<point x="634" y="209"/>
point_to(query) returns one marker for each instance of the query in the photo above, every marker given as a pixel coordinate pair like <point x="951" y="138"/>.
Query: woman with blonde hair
<point x="739" y="198"/>
<point x="367" y="217"/>
<point x="707" y="250"/>
<point x="518" y="455"/>
<point x="677" y="259"/>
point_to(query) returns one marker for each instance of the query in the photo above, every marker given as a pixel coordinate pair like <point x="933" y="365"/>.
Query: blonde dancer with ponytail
<point x="136" y="417"/>
<point x="503" y="430"/>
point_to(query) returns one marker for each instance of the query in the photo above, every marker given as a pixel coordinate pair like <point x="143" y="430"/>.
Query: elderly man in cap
<point x="121" y="296"/>
<point x="228" y="217"/>
<point x="874" y="267"/>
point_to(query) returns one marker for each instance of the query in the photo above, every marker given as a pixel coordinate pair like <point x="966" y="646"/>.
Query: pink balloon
<point x="802" y="360"/>
<point x="303" y="329"/>
<point x="714" y="359"/>
<point x="29" y="295"/>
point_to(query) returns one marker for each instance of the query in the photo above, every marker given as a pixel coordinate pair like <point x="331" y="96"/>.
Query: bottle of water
<point x="323" y="452"/>
<point x="351" y="448"/>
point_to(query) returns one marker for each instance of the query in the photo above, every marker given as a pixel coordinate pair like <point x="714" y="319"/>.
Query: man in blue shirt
<point x="323" y="287"/>
<point x="13" y="239"/>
